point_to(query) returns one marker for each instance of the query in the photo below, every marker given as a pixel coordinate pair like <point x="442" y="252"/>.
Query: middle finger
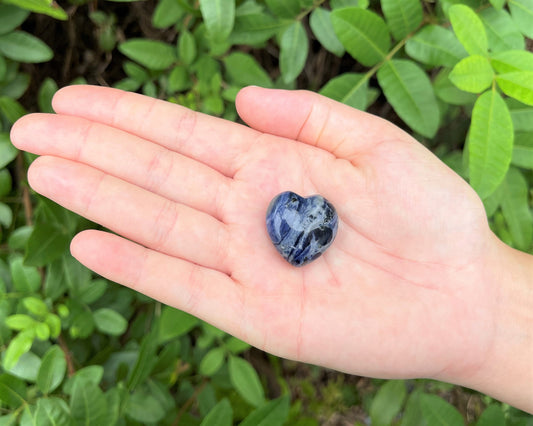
<point x="137" y="214"/>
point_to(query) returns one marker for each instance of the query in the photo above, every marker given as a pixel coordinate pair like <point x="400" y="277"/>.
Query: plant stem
<point x="189" y="402"/>
<point x="70" y="364"/>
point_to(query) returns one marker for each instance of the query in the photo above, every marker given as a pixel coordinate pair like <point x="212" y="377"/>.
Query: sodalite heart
<point x="301" y="228"/>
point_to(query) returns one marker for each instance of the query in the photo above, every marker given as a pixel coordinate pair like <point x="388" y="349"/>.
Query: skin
<point x="415" y="284"/>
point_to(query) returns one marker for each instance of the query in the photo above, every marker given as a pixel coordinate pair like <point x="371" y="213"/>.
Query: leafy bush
<point x="79" y="349"/>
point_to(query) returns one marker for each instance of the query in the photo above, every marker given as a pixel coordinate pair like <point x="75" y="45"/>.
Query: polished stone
<point x="301" y="228"/>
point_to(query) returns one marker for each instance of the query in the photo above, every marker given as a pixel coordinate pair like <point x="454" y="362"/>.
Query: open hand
<point x="392" y="297"/>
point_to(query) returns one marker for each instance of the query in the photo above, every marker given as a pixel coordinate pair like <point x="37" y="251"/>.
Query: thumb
<point x="314" y="119"/>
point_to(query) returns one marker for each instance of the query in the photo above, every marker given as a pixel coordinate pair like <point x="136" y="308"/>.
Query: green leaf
<point x="127" y="84"/>
<point x="55" y="284"/>
<point x="35" y="305"/>
<point x="515" y="208"/>
<point x="51" y="235"/>
<point x="412" y="413"/>
<point x="388" y="402"/>
<point x="149" y="89"/>
<point x="219" y="17"/>
<point x="145" y="361"/>
<point x="438" y="412"/>
<point x="174" y="323"/>
<point x="26" y="279"/>
<point x="143" y="407"/>
<point x="109" y="321"/>
<point x="522" y="14"/>
<point x="93" y="291"/>
<point x="11" y="109"/>
<point x="501" y="30"/>
<point x="179" y="79"/>
<point x="472" y="74"/>
<point x="249" y="7"/>
<point x="116" y="397"/>
<point x="243" y="70"/>
<point x="42" y="331"/>
<point x="161" y="393"/>
<point x="253" y="29"/>
<point x="52" y="370"/>
<point x="41" y="6"/>
<point x="16" y="87"/>
<point x="47" y="242"/>
<point x="207" y="71"/>
<point x="12" y="418"/>
<point x="469" y="29"/>
<point x="12" y="391"/>
<point x="88" y="404"/>
<point x="54" y="324"/>
<point x="153" y="54"/>
<point x="6" y="215"/>
<point x="512" y="60"/>
<point x="82" y="324"/>
<point x="293" y="51"/>
<point x="338" y="4"/>
<point x="220" y="415"/>
<point x="492" y="416"/>
<point x="497" y="4"/>
<point x="6" y="184"/>
<point x="273" y="413"/>
<point x="322" y="27"/>
<point x="92" y="374"/>
<point x="23" y="47"/>
<point x="27" y="367"/>
<point x="206" y="399"/>
<point x="52" y="412"/>
<point x="46" y="93"/>
<point x="410" y="93"/>
<point x="518" y="85"/>
<point x="523" y="151"/>
<point x="212" y="361"/>
<point x="235" y="346"/>
<point x="19" y="322"/>
<point x="246" y="381"/>
<point x="18" y="346"/>
<point x="11" y="17"/>
<point x="186" y="47"/>
<point x="363" y="33"/>
<point x="167" y="13"/>
<point x="403" y="16"/>
<point x="350" y="89"/>
<point x="7" y="151"/>
<point x="3" y="68"/>
<point x="490" y="143"/>
<point x="48" y="211"/>
<point x="284" y="8"/>
<point x="435" y="45"/>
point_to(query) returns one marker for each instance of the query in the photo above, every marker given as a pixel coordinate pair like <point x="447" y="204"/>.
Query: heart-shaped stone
<point x="301" y="228"/>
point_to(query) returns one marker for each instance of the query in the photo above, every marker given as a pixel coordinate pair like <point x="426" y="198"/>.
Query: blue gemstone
<point x="301" y="228"/>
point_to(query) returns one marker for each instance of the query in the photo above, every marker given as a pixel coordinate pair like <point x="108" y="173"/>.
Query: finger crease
<point x="304" y="124"/>
<point x="158" y="170"/>
<point x="94" y="194"/>
<point x="164" y="223"/>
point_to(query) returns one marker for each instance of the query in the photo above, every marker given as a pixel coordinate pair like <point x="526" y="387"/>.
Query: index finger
<point x="213" y="141"/>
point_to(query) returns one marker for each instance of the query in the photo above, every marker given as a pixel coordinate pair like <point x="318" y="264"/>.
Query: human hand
<point x="406" y="290"/>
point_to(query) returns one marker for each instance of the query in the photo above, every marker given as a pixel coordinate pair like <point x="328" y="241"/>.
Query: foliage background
<point x="77" y="349"/>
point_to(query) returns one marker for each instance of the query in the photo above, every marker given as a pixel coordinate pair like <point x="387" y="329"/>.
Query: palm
<point x="392" y="253"/>
<point x="375" y="300"/>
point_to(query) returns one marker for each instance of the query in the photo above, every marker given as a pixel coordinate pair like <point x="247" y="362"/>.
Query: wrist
<point x="506" y="370"/>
